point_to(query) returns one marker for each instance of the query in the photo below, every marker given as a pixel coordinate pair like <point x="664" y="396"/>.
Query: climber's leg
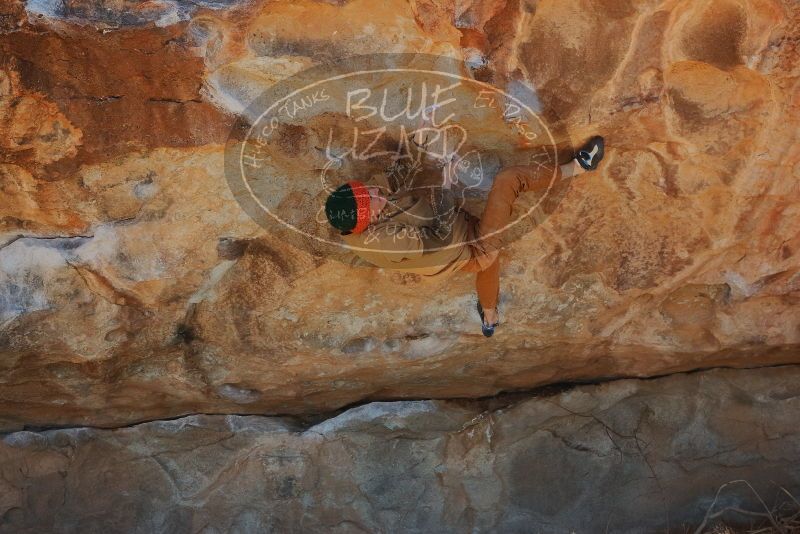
<point x="507" y="186"/>
<point x="487" y="285"/>
<point x="561" y="153"/>
<point x="542" y="179"/>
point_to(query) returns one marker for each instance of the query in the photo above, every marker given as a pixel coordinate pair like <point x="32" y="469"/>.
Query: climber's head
<point x="352" y="206"/>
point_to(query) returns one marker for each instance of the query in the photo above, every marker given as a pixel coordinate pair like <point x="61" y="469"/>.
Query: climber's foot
<point x="591" y="154"/>
<point x="488" y="327"/>
<point x="490" y="316"/>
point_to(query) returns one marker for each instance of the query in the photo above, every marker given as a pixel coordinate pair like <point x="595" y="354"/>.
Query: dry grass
<point x="782" y="518"/>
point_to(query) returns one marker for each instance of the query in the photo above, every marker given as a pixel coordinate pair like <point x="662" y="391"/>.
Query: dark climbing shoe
<point x="591" y="154"/>
<point x="487" y="330"/>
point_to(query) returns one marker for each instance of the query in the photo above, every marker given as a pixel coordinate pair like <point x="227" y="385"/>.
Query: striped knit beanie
<point x="347" y="208"/>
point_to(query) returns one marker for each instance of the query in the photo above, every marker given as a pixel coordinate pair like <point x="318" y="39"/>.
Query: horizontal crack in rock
<point x="43" y="237"/>
<point x="486" y="404"/>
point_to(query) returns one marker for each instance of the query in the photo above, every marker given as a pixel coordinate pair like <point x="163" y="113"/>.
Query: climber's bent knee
<point x="481" y="259"/>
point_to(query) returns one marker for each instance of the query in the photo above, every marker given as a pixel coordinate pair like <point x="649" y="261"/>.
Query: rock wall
<point x="630" y="456"/>
<point x="134" y="287"/>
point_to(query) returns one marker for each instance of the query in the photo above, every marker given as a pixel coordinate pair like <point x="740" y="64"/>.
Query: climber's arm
<point x="444" y="212"/>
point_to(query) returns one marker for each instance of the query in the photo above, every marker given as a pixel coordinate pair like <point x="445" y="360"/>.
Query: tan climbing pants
<point x="507" y="186"/>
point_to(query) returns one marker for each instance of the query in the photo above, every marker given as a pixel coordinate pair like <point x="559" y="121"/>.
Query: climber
<point x="423" y="233"/>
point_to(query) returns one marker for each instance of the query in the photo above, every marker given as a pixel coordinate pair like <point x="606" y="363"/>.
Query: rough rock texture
<point x="627" y="456"/>
<point x="133" y="286"/>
